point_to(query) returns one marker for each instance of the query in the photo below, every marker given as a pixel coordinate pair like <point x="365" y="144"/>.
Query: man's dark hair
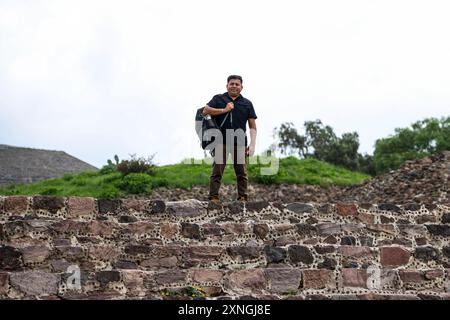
<point x="234" y="77"/>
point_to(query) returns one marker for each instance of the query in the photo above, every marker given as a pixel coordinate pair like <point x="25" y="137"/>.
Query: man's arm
<point x="252" y="126"/>
<point x="216" y="111"/>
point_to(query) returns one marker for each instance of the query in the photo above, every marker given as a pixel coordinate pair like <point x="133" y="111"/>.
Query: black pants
<point x="239" y="163"/>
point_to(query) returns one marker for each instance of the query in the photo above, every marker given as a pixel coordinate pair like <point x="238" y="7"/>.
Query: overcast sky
<point x="98" y="78"/>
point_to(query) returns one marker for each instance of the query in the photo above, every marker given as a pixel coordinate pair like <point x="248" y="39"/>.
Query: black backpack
<point x="203" y="124"/>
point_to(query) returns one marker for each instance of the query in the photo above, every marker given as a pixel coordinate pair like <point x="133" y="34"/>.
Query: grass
<point x="185" y="175"/>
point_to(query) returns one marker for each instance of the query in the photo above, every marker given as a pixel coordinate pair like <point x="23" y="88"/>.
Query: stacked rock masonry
<point x="86" y="248"/>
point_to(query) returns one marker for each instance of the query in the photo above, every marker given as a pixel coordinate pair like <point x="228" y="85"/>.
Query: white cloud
<point x="98" y="78"/>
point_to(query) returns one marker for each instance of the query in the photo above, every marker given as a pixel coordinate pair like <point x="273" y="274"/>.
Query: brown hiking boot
<point x="215" y="200"/>
<point x="242" y="199"/>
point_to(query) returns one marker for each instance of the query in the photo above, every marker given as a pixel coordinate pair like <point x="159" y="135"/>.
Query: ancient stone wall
<point x="85" y="248"/>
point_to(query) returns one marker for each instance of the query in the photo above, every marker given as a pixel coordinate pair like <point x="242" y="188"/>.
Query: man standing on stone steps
<point x="232" y="111"/>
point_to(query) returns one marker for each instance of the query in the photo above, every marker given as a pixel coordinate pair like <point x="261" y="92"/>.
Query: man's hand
<point x="250" y="150"/>
<point x="229" y="107"/>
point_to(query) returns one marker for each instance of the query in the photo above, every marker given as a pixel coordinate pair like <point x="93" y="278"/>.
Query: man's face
<point x="234" y="87"/>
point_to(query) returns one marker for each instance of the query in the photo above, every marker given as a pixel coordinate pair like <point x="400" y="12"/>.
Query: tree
<point x="424" y="138"/>
<point x="366" y="164"/>
<point x="321" y="142"/>
<point x="344" y="151"/>
<point x="320" y="138"/>
<point x="290" y="141"/>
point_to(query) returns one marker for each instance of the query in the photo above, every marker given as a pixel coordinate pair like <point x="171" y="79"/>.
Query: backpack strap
<point x="224" y="120"/>
<point x="227" y="100"/>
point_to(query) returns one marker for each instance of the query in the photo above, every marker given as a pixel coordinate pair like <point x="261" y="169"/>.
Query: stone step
<point x="311" y="231"/>
<point x="29" y="255"/>
<point x="192" y="210"/>
<point x="127" y="249"/>
<point x="277" y="283"/>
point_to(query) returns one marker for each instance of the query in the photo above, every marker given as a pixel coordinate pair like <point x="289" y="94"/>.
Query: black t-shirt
<point x="238" y="117"/>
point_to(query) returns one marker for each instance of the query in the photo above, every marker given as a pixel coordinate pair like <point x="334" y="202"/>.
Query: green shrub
<point x="109" y="168"/>
<point x="112" y="177"/>
<point x="159" y="182"/>
<point x="136" y="183"/>
<point x="88" y="174"/>
<point x="50" y="191"/>
<point x="67" y="177"/>
<point x="108" y="192"/>
<point x="137" y="165"/>
<point x="254" y="173"/>
<point x="79" y="181"/>
<point x="265" y="179"/>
